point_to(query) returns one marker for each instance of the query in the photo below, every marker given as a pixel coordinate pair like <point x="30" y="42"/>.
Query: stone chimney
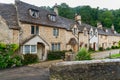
<point x="99" y="25"/>
<point x="56" y="9"/>
<point x="78" y="18"/>
<point x="112" y="27"/>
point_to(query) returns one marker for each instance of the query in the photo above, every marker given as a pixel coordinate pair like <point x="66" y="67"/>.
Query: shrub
<point x="115" y="47"/>
<point x="119" y="44"/>
<point x="83" y="55"/>
<point x="54" y="55"/>
<point x="101" y="49"/>
<point x="30" y="58"/>
<point x="7" y="57"/>
<point x="91" y="49"/>
<point x="108" y="48"/>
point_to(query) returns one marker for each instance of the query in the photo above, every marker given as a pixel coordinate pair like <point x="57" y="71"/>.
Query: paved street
<point x="40" y="71"/>
<point x="103" y="54"/>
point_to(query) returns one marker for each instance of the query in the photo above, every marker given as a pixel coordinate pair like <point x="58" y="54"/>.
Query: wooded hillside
<point x="91" y="15"/>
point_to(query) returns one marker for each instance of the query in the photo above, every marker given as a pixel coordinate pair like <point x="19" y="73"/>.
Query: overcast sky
<point x="110" y="4"/>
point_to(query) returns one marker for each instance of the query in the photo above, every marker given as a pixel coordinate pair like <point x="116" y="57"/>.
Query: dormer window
<point x="96" y="34"/>
<point x="91" y="33"/>
<point x="115" y="32"/>
<point x="106" y="30"/>
<point x="52" y="17"/>
<point x="34" y="13"/>
<point x="75" y="30"/>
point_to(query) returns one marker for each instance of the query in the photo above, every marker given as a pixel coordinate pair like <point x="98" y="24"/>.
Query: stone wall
<point x="5" y="33"/>
<point x="108" y="69"/>
<point x="46" y="32"/>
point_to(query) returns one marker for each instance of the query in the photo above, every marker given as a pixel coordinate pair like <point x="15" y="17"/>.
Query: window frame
<point x="34" y="13"/>
<point x="36" y="30"/>
<point x="55" y="32"/>
<point x="55" y="46"/>
<point x="75" y="31"/>
<point x="52" y="17"/>
<point x="30" y="50"/>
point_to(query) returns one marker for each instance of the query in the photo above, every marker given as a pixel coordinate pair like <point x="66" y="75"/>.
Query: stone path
<point x="104" y="54"/>
<point x="38" y="71"/>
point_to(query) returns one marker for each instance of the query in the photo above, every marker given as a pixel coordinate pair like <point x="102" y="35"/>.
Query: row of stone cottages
<point x="38" y="30"/>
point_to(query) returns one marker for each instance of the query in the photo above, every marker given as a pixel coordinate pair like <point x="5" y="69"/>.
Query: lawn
<point x="115" y="56"/>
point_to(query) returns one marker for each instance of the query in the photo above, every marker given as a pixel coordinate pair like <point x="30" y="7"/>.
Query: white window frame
<point x="30" y="49"/>
<point x="55" y="48"/>
<point x="55" y="32"/>
<point x="52" y="17"/>
<point x="35" y="12"/>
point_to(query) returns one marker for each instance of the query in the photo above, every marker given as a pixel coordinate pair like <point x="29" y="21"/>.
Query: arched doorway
<point x="73" y="44"/>
<point x="40" y="50"/>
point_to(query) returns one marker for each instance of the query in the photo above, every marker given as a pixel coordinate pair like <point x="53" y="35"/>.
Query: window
<point x="34" y="13"/>
<point x="37" y="30"/>
<point x="52" y="18"/>
<point x="30" y="49"/>
<point x="33" y="48"/>
<point x="55" y="32"/>
<point x="85" y="32"/>
<point x="27" y="49"/>
<point x="55" y="46"/>
<point x="34" y="29"/>
<point x="91" y="33"/>
<point x="96" y="34"/>
<point x="75" y="31"/>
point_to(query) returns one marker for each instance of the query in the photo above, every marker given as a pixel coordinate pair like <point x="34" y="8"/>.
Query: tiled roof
<point x="8" y="12"/>
<point x="20" y="11"/>
<point x="24" y="16"/>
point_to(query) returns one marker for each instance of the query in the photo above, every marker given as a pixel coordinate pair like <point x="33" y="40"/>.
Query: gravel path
<point x="38" y="71"/>
<point x="103" y="54"/>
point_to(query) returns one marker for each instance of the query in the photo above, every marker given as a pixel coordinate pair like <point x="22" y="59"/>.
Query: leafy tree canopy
<point x="91" y="15"/>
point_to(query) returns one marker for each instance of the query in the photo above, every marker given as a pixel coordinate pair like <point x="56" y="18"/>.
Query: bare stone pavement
<point x="40" y="71"/>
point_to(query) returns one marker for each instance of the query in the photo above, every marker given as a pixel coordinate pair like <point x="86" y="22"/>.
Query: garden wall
<point x="108" y="69"/>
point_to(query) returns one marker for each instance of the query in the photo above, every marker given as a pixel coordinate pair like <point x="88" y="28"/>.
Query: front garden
<point x="10" y="58"/>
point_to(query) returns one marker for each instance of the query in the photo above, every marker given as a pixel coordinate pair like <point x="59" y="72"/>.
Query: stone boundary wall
<point x="108" y="69"/>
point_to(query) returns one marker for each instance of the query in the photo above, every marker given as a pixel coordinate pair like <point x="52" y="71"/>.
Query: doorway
<point x="40" y="50"/>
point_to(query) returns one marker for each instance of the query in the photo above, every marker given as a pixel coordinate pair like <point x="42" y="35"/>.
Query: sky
<point x="109" y="4"/>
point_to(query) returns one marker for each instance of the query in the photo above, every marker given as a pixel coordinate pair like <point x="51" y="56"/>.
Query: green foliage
<point x="115" y="56"/>
<point x="7" y="57"/>
<point x="114" y="47"/>
<point x="54" y="55"/>
<point x="119" y="44"/>
<point x="108" y="48"/>
<point x="101" y="48"/>
<point x="83" y="55"/>
<point x="30" y="58"/>
<point x="91" y="15"/>
<point x="91" y="49"/>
